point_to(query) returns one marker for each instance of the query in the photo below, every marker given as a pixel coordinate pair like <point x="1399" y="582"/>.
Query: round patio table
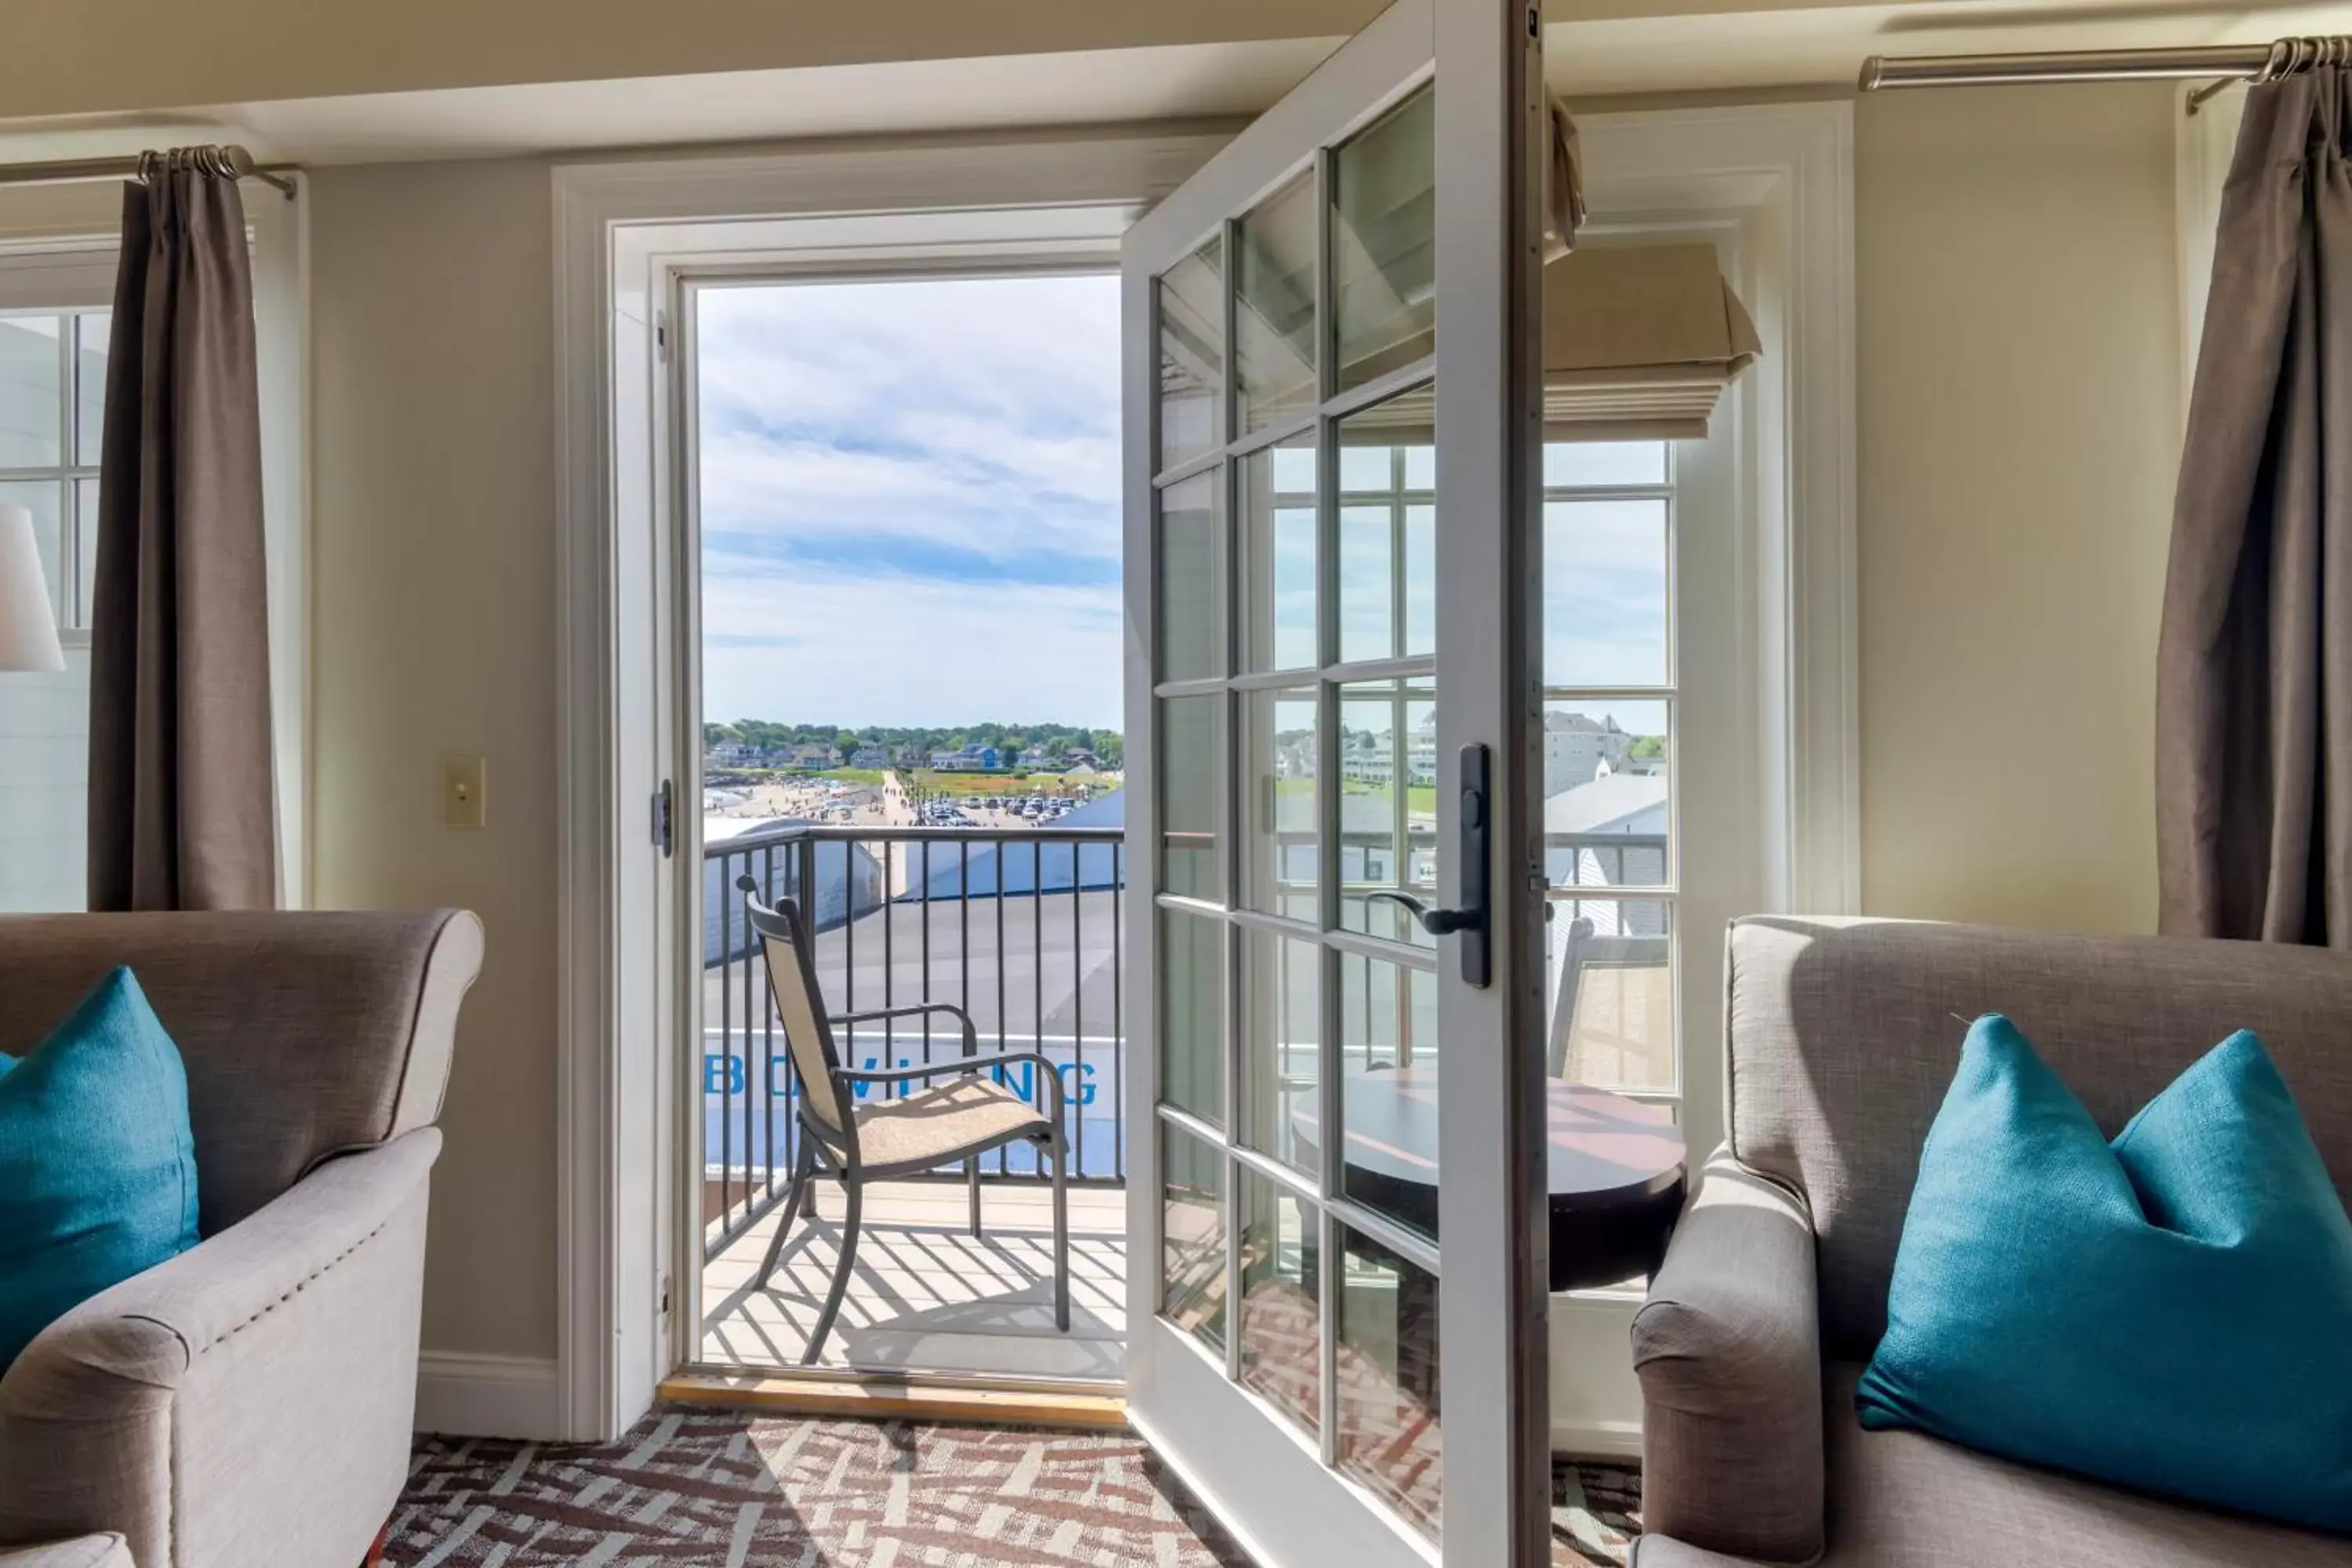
<point x="1614" y="1167"/>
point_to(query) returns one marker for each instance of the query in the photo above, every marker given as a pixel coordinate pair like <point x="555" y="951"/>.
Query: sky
<point x="911" y="501"/>
<point x="910" y="512"/>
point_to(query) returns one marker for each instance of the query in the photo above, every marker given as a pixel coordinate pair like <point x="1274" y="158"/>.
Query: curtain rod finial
<point x="1872" y="69"/>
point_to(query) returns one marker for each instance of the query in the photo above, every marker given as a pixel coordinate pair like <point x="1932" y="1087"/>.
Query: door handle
<point x="1436" y="922"/>
<point x="1473" y="920"/>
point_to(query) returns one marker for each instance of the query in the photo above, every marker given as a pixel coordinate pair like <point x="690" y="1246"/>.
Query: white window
<point x="54" y="319"/>
<point x="1609" y="742"/>
<point x="52" y="408"/>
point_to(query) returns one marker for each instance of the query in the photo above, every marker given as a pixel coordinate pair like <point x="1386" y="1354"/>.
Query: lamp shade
<point x="28" y="627"/>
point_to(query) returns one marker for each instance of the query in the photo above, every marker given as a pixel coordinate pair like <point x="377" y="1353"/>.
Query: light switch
<point x="461" y="792"/>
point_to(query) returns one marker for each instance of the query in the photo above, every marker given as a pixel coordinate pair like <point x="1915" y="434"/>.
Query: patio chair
<point x="905" y="1136"/>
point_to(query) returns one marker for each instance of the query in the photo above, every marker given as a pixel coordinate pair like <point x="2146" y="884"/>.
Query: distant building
<point x="973" y="758"/>
<point x="872" y="757"/>
<point x="1035" y="757"/>
<point x="815" y="757"/>
<point x="1369" y="757"/>
<point x="1577" y="746"/>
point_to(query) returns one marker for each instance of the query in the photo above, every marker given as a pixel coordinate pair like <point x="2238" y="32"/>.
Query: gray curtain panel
<point x="2255" y="668"/>
<point x="182" y="803"/>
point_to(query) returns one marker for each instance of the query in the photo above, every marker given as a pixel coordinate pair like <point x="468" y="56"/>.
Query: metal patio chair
<point x="906" y="1136"/>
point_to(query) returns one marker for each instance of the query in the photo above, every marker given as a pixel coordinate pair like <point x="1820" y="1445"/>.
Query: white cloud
<point x="863" y="444"/>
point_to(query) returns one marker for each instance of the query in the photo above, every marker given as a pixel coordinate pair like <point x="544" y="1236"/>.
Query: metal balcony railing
<point x="1022" y="929"/>
<point x="1019" y="927"/>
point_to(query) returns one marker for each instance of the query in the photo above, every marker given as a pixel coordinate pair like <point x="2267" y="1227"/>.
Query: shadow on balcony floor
<point x="927" y="1296"/>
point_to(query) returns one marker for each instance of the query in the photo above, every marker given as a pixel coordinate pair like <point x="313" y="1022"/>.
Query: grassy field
<point x="871" y="777"/>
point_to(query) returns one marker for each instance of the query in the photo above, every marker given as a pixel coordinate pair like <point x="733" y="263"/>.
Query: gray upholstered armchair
<point x="1842" y="1037"/>
<point x="248" y="1404"/>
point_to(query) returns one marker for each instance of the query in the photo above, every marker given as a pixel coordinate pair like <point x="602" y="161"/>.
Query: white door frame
<point x="621" y="228"/>
<point x="1788" y="169"/>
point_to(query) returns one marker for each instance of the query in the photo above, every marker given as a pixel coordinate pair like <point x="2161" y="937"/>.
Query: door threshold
<point x="907" y="1396"/>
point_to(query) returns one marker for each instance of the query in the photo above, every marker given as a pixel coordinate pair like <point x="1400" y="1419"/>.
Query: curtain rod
<point x="230" y="159"/>
<point x="2232" y="62"/>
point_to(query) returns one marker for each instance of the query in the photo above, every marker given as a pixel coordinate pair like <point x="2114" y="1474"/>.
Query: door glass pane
<point x="1280" y="849"/>
<point x="1191" y="784"/>
<point x="1606" y="809"/>
<point x="1383" y="242"/>
<point x="1281" y="1328"/>
<point x="1613" y="994"/>
<point x="1192" y="1234"/>
<point x="1377" y="600"/>
<point x="1604" y="463"/>
<point x="1192" y="1015"/>
<point x="30" y="397"/>
<point x="1282" y="1018"/>
<point x="1388" y="803"/>
<point x="1186" y="580"/>
<point x="1273" y="308"/>
<point x="1605" y="621"/>
<point x="1388" y="1092"/>
<point x="1389" y="1435"/>
<point x="42" y="499"/>
<point x="1191" y="298"/>
<point x="85" y="549"/>
<point x="92" y="331"/>
<point x="1279" y="556"/>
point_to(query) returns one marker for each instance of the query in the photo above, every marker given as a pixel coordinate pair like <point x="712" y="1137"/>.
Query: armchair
<point x="248" y="1402"/>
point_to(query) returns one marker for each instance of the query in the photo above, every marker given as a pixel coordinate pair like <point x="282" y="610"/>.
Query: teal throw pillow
<point x="98" y="1167"/>
<point x="2171" y="1311"/>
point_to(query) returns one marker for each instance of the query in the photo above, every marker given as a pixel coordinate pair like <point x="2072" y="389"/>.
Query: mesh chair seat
<point x="936" y="1125"/>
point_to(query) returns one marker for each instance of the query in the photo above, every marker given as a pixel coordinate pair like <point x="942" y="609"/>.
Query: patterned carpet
<point x="697" y="1488"/>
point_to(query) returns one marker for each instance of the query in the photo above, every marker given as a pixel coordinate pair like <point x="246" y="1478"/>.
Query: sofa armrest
<point x="1727" y="1347"/>
<point x="84" y="1551"/>
<point x="248" y="1401"/>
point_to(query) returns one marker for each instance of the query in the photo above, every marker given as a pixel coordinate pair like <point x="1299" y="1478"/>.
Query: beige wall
<point x="2019" y="420"/>
<point x="434" y="520"/>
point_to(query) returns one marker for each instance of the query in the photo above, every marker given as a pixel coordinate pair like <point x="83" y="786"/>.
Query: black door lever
<point x="1470" y="921"/>
<point x="1436" y="922"/>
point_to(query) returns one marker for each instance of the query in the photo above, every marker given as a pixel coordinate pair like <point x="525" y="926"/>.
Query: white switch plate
<point x="462" y="803"/>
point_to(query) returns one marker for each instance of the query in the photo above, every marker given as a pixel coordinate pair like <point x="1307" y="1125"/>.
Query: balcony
<point x="1024" y="929"/>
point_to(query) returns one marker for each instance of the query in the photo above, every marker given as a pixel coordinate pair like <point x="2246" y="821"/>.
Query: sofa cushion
<point x="2166" y="1312"/>
<point x="305" y="1034"/>
<point x="1903" y="1500"/>
<point x="98" y="1168"/>
<point x="1840" y="1034"/>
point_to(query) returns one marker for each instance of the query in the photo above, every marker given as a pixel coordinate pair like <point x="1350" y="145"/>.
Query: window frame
<point x="66" y="281"/>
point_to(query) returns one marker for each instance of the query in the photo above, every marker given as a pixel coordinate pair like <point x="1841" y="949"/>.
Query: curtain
<point x="182" y="803"/>
<point x="2255" y="665"/>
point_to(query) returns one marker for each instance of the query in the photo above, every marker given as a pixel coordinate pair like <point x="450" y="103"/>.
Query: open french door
<point x="1337" y="986"/>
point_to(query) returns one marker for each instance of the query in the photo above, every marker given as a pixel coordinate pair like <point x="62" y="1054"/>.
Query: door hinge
<point x="661" y="336"/>
<point x="665" y="820"/>
<point x="665" y="1306"/>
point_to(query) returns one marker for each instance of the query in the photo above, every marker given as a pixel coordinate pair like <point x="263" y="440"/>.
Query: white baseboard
<point x="1597" y="1439"/>
<point x="489" y="1396"/>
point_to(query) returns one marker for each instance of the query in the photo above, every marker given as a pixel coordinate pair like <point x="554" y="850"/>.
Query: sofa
<point x="249" y="1403"/>
<point x="1841" y="1037"/>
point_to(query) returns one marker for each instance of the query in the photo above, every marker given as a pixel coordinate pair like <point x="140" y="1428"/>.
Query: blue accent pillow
<point x="98" y="1167"/>
<point x="2172" y="1312"/>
